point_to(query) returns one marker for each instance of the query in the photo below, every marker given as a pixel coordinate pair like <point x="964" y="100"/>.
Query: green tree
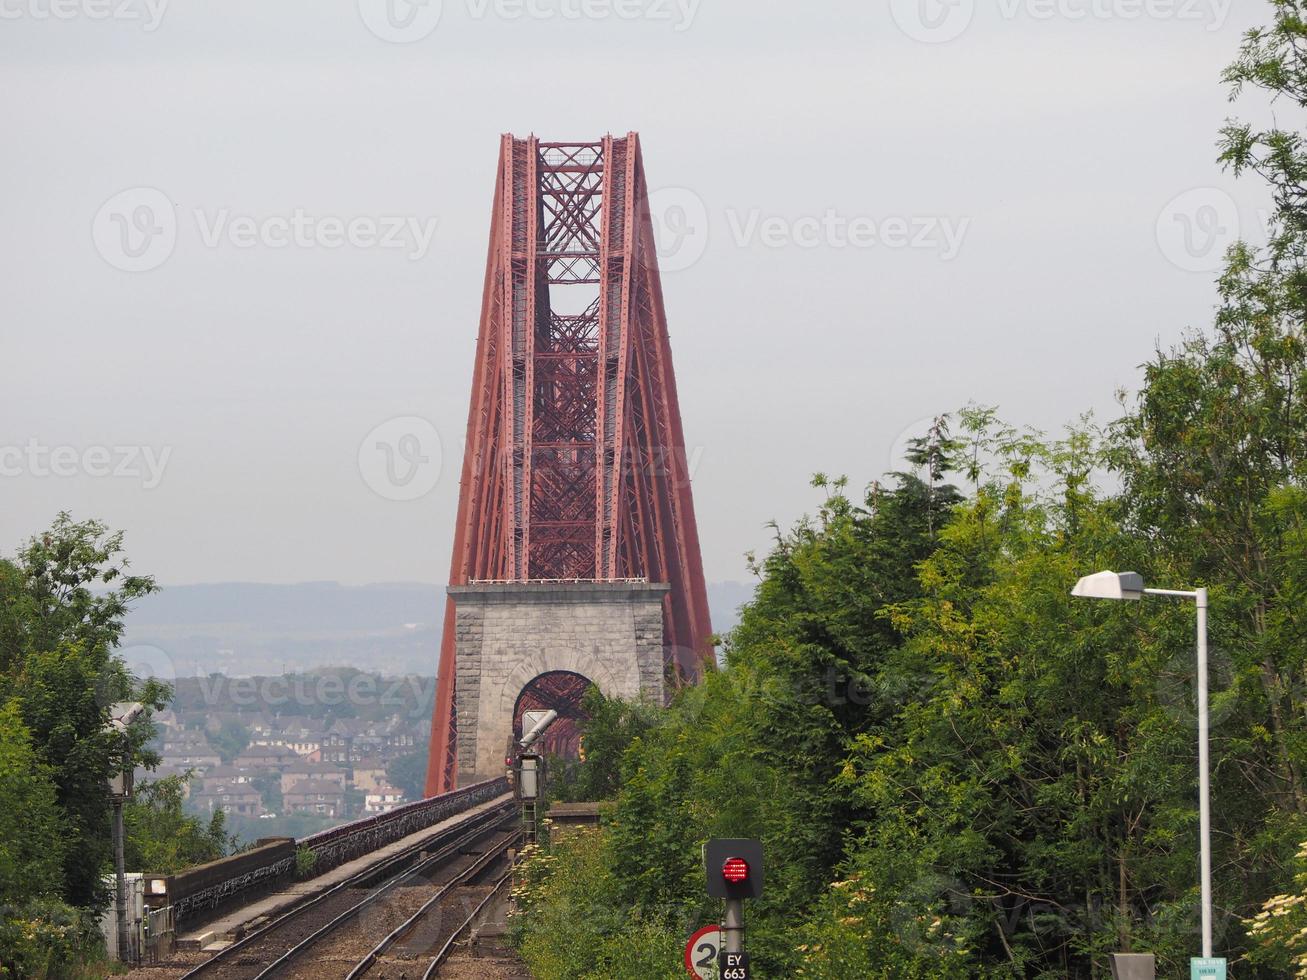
<point x="610" y="726"/>
<point x="162" y="837"/>
<point x="230" y="739"/>
<point x="62" y="603"/>
<point x="31" y="826"/>
<point x="269" y="787"/>
<point x="408" y="774"/>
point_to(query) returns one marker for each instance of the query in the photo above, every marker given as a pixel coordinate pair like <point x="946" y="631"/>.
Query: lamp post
<point x="121" y="717"/>
<point x="1130" y="586"/>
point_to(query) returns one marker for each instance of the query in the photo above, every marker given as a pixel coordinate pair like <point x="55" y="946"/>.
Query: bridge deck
<point x="221" y="932"/>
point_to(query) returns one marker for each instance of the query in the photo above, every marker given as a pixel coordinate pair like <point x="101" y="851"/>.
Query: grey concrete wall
<point x="508" y="634"/>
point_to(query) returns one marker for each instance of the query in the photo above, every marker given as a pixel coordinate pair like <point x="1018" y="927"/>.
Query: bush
<point x="49" y="940"/>
<point x="31" y="825"/>
<point x="1279" y="930"/>
<point x="568" y="924"/>
<point x="305" y="860"/>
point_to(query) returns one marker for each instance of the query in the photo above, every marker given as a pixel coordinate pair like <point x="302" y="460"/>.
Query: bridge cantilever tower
<point x="575" y="520"/>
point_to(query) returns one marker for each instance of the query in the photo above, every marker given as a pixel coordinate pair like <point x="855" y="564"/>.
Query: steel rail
<point x="450" y="838"/>
<point x="451" y="849"/>
<point x="448" y="948"/>
<point x="403" y="928"/>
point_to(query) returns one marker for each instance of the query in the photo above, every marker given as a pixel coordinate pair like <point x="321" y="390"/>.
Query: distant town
<point x="295" y="753"/>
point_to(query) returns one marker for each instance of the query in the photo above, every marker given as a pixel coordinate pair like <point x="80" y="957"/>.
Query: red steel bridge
<point x="575" y="464"/>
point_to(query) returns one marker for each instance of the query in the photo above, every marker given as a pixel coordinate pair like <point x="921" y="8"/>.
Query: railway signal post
<point x="734" y="870"/>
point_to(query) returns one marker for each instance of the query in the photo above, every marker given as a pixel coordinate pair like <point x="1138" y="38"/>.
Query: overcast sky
<point x="239" y="237"/>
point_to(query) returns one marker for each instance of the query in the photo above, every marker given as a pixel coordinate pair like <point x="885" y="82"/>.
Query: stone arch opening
<point x="561" y="690"/>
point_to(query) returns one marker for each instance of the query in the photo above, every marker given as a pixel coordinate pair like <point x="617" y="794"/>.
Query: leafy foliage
<point x="229" y="740"/>
<point x="62" y="603"/>
<point x="1280" y="927"/>
<point x="164" y="839"/>
<point x="611" y="726"/>
<point x="31" y="839"/>
<point x="408" y="774"/>
<point x="569" y="924"/>
<point x="45" y="938"/>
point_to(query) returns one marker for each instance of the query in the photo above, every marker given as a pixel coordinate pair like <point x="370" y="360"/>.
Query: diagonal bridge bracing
<point x="575" y="466"/>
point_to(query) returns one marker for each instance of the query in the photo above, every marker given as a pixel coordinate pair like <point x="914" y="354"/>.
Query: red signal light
<point x="735" y="870"/>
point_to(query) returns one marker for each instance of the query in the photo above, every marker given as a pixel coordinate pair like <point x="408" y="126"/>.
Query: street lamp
<point x="121" y="716"/>
<point x="1130" y="586"/>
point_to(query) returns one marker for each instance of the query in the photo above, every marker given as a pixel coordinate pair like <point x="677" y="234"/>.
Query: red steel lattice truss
<point x="575" y="465"/>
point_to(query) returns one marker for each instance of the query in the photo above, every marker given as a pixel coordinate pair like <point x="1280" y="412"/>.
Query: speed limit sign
<point x="701" y="952"/>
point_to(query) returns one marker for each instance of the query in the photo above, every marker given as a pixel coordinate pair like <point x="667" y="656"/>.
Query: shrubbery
<point x="570" y="924"/>
<point x="49" y="940"/>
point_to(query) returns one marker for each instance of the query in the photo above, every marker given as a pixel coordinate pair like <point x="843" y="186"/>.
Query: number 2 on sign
<point x="706" y="953"/>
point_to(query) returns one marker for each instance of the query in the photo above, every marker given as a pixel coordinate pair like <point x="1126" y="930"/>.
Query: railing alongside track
<point x="207" y="891"/>
<point x="332" y="848"/>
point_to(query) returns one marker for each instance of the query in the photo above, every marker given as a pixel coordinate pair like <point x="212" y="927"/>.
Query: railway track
<point x="328" y="934"/>
<point x="433" y="968"/>
<point x="430" y="932"/>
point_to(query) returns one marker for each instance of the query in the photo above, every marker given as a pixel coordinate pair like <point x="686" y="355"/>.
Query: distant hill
<point x="246" y="628"/>
<point x="305" y="606"/>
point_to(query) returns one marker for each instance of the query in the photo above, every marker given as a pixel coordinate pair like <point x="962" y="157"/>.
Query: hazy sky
<point x="239" y="236"/>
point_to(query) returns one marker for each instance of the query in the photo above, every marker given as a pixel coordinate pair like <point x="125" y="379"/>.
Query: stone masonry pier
<point x="507" y="634"/>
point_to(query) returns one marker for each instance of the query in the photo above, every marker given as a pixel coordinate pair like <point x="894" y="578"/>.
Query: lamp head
<point x="1110" y="585"/>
